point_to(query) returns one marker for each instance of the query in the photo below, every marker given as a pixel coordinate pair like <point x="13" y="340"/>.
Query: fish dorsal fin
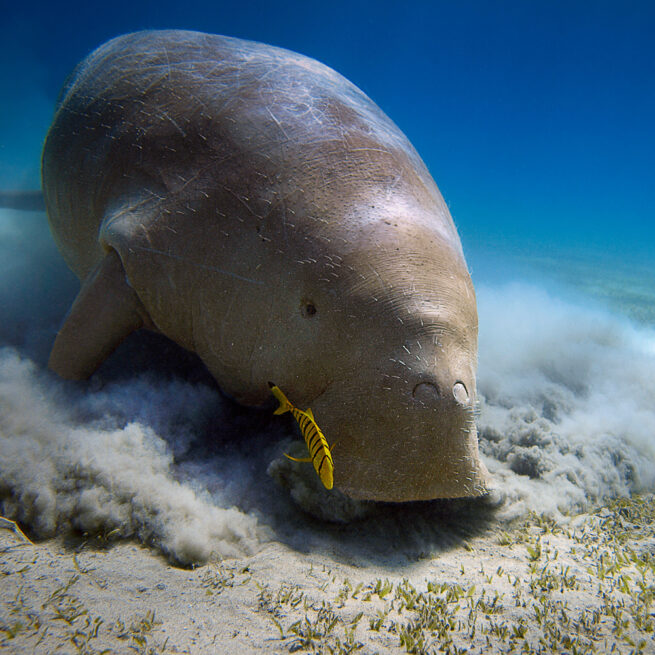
<point x="310" y="414"/>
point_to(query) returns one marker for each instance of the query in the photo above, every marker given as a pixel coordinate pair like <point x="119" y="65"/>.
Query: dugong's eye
<point x="308" y="308"/>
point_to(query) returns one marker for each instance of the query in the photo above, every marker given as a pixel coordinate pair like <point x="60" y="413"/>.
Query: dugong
<point x="260" y="210"/>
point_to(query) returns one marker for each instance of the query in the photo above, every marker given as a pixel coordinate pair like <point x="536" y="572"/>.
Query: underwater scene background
<point x="536" y="121"/>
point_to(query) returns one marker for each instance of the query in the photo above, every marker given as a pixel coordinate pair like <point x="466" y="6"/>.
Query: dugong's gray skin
<point x="258" y="209"/>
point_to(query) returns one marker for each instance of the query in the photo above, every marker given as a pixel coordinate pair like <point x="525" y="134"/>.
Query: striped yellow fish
<point x="319" y="451"/>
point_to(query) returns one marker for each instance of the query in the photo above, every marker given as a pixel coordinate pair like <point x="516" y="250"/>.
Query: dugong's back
<point x="166" y="110"/>
<point x="257" y="208"/>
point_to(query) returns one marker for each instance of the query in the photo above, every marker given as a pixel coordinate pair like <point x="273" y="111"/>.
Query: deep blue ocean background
<point x="536" y="119"/>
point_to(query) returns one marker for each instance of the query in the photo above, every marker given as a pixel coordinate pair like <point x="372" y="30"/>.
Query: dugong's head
<point x="380" y="340"/>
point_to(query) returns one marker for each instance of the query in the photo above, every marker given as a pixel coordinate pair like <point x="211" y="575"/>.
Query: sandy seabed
<point x="532" y="587"/>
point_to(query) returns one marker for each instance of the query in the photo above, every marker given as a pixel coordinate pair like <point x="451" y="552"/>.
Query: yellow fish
<point x="319" y="451"/>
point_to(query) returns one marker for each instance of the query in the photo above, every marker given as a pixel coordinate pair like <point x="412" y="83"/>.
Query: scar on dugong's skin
<point x="258" y="209"/>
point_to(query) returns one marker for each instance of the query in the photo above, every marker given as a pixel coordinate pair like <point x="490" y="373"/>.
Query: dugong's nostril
<point x="460" y="393"/>
<point x="426" y="391"/>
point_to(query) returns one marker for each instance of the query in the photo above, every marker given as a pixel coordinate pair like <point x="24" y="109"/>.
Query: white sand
<point x="543" y="592"/>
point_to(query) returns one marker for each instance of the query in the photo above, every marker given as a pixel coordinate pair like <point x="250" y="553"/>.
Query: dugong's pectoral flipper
<point x="105" y="311"/>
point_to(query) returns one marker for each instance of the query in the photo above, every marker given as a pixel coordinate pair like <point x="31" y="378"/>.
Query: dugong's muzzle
<point x="419" y="442"/>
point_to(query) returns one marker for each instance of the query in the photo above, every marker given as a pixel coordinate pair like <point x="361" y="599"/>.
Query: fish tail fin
<point x="285" y="405"/>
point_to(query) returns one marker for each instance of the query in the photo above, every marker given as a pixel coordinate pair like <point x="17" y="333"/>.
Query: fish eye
<point x="308" y="308"/>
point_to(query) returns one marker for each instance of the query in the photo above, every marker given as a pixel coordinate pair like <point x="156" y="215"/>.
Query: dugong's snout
<point x="429" y="391"/>
<point x="412" y="440"/>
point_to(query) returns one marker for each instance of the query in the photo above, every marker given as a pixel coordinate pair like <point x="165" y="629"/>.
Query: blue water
<point x="535" y="118"/>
